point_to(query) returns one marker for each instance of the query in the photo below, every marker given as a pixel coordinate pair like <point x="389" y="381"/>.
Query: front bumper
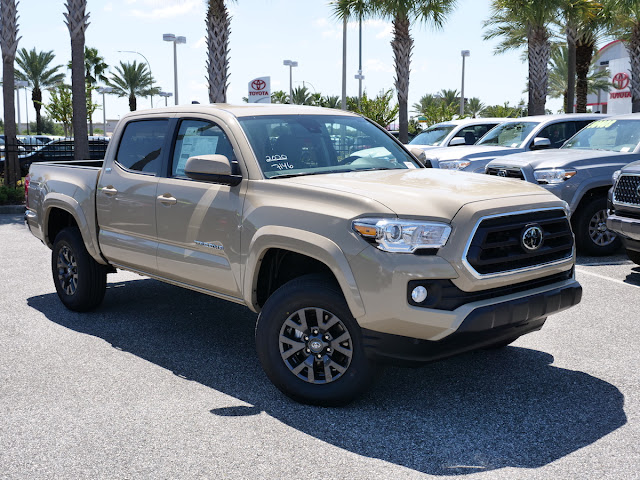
<point x="626" y="227"/>
<point x="484" y="325"/>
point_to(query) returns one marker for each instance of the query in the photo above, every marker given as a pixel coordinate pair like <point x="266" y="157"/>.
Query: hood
<point x="633" y="167"/>
<point x="426" y="193"/>
<point x="470" y="152"/>
<point x="564" y="158"/>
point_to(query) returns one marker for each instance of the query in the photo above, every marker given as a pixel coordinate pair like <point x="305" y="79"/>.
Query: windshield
<point x="293" y="145"/>
<point x="612" y="135"/>
<point x="510" y="134"/>
<point x="432" y="136"/>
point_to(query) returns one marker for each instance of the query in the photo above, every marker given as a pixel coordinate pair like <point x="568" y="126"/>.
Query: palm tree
<point x="520" y="21"/>
<point x="35" y="68"/>
<point x="402" y="13"/>
<point x="626" y="24"/>
<point x="474" y="107"/>
<point x="576" y="15"/>
<point x="330" y="101"/>
<point x="9" y="40"/>
<point x="76" y="20"/>
<point x="450" y="97"/>
<point x="301" y="96"/>
<point x="94" y="67"/>
<point x="597" y="79"/>
<point x="132" y="80"/>
<point x="425" y="102"/>
<point x="218" y="29"/>
<point x="279" y="96"/>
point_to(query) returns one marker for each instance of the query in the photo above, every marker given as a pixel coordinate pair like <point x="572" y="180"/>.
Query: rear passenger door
<point x="199" y="222"/>
<point x="126" y="196"/>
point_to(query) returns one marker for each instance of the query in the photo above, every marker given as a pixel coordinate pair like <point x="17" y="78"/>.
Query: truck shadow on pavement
<point x="478" y="412"/>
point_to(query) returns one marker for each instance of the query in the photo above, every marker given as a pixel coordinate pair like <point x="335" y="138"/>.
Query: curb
<point x="11" y="209"/>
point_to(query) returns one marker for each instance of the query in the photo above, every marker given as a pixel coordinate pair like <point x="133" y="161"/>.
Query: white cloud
<point x="108" y="7"/>
<point x="321" y="22"/>
<point x="170" y="11"/>
<point x="200" y="43"/>
<point x="377" y="65"/>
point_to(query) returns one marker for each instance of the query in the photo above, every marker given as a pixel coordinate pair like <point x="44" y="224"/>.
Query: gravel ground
<point x="161" y="382"/>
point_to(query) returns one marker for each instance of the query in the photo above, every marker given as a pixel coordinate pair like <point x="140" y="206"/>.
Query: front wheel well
<point x="280" y="266"/>
<point x="586" y="198"/>
<point x="58" y="220"/>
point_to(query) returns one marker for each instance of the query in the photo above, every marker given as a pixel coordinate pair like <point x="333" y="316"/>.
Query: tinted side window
<point x="141" y="145"/>
<point x="199" y="137"/>
<point x="558" y="133"/>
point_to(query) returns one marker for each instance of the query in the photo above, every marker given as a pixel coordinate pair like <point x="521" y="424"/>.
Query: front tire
<point x="592" y="235"/>
<point x="309" y="344"/>
<point x="80" y="281"/>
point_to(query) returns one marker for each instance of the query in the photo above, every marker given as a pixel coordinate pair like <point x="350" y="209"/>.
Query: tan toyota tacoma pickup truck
<point x="350" y="250"/>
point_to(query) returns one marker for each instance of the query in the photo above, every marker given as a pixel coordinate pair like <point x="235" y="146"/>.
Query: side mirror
<point x="419" y="154"/>
<point x="540" y="142"/>
<point x="457" y="141"/>
<point x="211" y="168"/>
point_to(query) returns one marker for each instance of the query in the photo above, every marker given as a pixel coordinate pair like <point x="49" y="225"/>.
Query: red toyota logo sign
<point x="258" y="84"/>
<point x="620" y="81"/>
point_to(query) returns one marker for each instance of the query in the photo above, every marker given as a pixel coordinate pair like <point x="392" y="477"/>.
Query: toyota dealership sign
<point x="260" y="90"/>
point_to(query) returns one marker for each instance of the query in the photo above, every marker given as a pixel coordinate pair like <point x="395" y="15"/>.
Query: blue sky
<point x="264" y="33"/>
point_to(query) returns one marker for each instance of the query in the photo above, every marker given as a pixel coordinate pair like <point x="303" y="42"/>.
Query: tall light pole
<point x="19" y="84"/>
<point x="290" y="64"/>
<point x="148" y="65"/>
<point x="344" y="64"/>
<point x="104" y="90"/>
<point x="170" y="37"/>
<point x="165" y="95"/>
<point x="359" y="76"/>
<point x="464" y="53"/>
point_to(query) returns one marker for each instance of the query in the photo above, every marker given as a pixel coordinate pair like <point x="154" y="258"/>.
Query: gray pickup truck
<point x="624" y="209"/>
<point x="514" y="136"/>
<point x="580" y="174"/>
<point x="350" y="256"/>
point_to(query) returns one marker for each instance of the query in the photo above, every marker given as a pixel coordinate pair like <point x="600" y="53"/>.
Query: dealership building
<point x="617" y="100"/>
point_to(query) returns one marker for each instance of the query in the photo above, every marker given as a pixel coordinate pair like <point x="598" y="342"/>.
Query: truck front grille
<point x="505" y="172"/>
<point x="627" y="190"/>
<point x="499" y="243"/>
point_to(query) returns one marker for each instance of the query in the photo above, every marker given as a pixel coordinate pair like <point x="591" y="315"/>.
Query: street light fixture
<point x="165" y="95"/>
<point x="19" y="84"/>
<point x="148" y="65"/>
<point x="290" y="64"/>
<point x="104" y="90"/>
<point x="170" y="37"/>
<point x="464" y="53"/>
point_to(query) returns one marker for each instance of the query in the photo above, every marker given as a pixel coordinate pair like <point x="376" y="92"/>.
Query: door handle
<point x="109" y="190"/>
<point x="167" y="199"/>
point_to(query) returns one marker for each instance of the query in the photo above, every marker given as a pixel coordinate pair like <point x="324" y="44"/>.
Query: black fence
<point x="32" y="150"/>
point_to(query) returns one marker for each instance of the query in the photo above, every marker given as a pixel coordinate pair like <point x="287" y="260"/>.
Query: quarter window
<point x="141" y="145"/>
<point x="198" y="137"/>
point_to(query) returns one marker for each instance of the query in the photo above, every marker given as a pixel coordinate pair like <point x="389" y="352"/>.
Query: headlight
<point x="614" y="177"/>
<point x="553" y="175"/>
<point x="402" y="236"/>
<point x="455" y="164"/>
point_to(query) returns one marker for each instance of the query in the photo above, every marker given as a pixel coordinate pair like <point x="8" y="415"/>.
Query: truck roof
<point x="244" y="110"/>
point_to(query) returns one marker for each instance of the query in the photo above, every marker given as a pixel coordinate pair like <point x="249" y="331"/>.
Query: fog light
<point x="419" y="294"/>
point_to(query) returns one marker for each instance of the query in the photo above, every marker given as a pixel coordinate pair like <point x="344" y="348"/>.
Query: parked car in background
<point x="32" y="142"/>
<point x="580" y="174"/>
<point x="514" y="136"/>
<point x="624" y="209"/>
<point x="60" y="150"/>
<point x="455" y="132"/>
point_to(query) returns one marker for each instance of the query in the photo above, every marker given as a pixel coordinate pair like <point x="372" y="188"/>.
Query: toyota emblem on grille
<point x="502" y="173"/>
<point x="532" y="238"/>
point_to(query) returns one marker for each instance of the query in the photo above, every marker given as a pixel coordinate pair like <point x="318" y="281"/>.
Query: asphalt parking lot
<point x="162" y="382"/>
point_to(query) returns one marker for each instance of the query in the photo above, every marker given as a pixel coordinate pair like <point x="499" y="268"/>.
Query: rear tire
<point x="309" y="344"/>
<point x="80" y="281"/>
<point x="634" y="256"/>
<point x="592" y="235"/>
